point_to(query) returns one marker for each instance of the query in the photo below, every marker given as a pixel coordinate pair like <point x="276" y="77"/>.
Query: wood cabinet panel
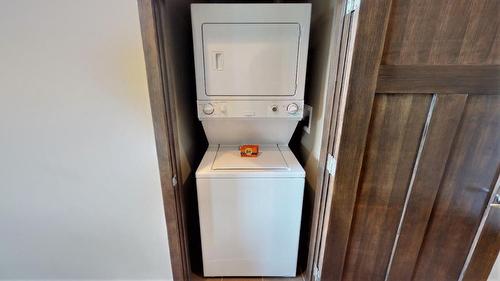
<point x="468" y="181"/>
<point x="442" y="32"/>
<point x="396" y="128"/>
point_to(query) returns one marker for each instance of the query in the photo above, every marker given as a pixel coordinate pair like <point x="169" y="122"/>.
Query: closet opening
<point x="168" y="45"/>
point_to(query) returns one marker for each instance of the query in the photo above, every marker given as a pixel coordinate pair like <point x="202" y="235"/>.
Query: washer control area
<point x="250" y="109"/>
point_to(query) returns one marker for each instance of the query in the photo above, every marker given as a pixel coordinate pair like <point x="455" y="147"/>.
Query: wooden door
<point x="486" y="244"/>
<point x="419" y="151"/>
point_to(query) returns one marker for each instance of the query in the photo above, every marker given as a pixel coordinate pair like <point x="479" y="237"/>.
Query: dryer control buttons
<point x="208" y="109"/>
<point x="292" y="108"/>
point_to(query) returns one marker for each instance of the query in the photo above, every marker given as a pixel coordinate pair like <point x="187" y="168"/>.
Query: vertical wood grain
<point x="464" y="192"/>
<point x="454" y="20"/>
<point x="443" y="32"/>
<point x="412" y="26"/>
<point x="429" y="170"/>
<point x="393" y="141"/>
<point x="481" y="39"/>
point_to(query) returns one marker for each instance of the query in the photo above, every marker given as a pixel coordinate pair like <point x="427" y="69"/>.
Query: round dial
<point x="208" y="109"/>
<point x="274" y="108"/>
<point x="292" y="108"/>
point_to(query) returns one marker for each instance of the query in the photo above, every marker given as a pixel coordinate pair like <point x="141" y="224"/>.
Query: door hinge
<point x="174" y="181"/>
<point x="331" y="164"/>
<point x="351" y="6"/>
<point x="316" y="274"/>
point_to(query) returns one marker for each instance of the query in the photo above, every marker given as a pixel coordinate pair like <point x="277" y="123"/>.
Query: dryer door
<point x="251" y="59"/>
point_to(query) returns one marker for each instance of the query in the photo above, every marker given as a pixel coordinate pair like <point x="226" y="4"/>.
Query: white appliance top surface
<point x="269" y="158"/>
<point x="276" y="161"/>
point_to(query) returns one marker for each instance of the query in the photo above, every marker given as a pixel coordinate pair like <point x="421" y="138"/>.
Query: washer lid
<point x="269" y="158"/>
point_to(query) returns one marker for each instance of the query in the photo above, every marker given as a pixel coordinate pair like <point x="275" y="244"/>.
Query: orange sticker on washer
<point x="249" y="150"/>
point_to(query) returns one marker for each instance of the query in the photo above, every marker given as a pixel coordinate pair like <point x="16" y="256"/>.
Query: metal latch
<point x="331" y="164"/>
<point x="174" y="181"/>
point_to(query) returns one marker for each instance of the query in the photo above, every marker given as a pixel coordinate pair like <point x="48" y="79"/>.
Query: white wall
<point x="316" y="92"/>
<point x="80" y="195"/>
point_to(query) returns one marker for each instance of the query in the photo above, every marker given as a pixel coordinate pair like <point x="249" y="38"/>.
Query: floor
<point x="200" y="278"/>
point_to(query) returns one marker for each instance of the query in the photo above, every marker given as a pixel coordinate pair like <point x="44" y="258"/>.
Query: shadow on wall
<point x="307" y="205"/>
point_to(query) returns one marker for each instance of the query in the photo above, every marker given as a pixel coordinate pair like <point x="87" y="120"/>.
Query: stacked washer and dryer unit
<point x="250" y="62"/>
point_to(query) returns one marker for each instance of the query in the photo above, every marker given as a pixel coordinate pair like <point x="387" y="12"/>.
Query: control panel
<point x="250" y="109"/>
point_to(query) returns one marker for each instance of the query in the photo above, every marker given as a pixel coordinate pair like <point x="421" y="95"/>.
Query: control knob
<point x="208" y="109"/>
<point x="292" y="108"/>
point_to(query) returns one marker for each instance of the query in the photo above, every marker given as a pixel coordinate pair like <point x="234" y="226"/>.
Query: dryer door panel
<point x="250" y="59"/>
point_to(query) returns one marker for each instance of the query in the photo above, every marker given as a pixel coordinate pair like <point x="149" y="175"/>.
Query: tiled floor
<point x="200" y="278"/>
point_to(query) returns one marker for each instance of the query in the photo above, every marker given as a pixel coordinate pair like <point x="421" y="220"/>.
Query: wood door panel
<point x="389" y="218"/>
<point x="489" y="242"/>
<point x="440" y="32"/>
<point x="469" y="179"/>
<point x="393" y="139"/>
<point x="446" y="116"/>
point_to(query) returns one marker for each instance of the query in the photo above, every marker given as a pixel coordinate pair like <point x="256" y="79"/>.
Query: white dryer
<point x="250" y="62"/>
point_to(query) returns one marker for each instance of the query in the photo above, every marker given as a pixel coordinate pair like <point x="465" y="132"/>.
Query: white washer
<point x="250" y="63"/>
<point x="250" y="211"/>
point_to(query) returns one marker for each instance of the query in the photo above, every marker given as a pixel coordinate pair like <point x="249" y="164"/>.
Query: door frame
<point x="162" y="109"/>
